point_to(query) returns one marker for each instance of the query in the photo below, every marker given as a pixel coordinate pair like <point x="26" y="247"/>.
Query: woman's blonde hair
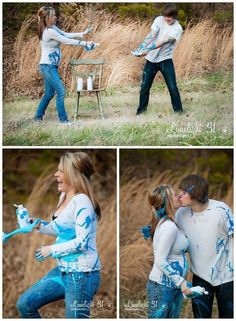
<point x="161" y="198"/>
<point x="78" y="169"/>
<point x="44" y="14"/>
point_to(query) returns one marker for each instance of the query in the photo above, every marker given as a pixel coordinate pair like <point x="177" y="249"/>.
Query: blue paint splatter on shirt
<point x="230" y="219"/>
<point x="86" y="223"/>
<point x="220" y="244"/>
<point x="55" y="57"/>
<point x="178" y="271"/>
<point x="230" y="222"/>
<point x="230" y="267"/>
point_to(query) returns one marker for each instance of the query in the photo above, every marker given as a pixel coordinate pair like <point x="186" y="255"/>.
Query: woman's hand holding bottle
<point x="88" y="30"/>
<point x="184" y="288"/>
<point x="32" y="220"/>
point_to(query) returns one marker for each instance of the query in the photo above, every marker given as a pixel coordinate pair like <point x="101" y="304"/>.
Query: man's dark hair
<point x="170" y="10"/>
<point x="196" y="186"/>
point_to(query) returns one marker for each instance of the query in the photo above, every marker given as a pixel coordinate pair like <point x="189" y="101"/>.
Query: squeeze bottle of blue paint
<point x="195" y="291"/>
<point x="4" y="237"/>
<point x="22" y="215"/>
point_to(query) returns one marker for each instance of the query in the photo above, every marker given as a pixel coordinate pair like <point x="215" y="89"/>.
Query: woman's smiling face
<point x="52" y="18"/>
<point x="62" y="186"/>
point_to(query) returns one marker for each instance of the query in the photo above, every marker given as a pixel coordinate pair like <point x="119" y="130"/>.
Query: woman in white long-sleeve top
<point x="167" y="278"/>
<point x="50" y="39"/>
<point x="77" y="275"/>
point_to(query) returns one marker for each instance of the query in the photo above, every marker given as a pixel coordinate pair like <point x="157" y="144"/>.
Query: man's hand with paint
<point x="143" y="49"/>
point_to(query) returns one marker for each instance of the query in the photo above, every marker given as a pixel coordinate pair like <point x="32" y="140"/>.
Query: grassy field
<point x="136" y="254"/>
<point x="207" y="118"/>
<point x="29" y="179"/>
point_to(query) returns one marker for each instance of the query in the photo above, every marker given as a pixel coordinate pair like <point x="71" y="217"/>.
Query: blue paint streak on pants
<point x="202" y="306"/>
<point x="166" y="67"/>
<point x="163" y="302"/>
<point x="78" y="290"/>
<point x="52" y="83"/>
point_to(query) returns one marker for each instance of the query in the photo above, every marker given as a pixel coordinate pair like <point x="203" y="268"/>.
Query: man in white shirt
<point x="158" y="48"/>
<point x="208" y="225"/>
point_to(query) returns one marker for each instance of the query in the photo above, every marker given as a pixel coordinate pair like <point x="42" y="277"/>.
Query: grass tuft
<point x="207" y="118"/>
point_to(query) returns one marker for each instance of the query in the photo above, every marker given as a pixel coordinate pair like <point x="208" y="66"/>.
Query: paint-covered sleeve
<point x="83" y="225"/>
<point x="54" y="35"/>
<point x="166" y="237"/>
<point x="227" y="219"/>
<point x="46" y="228"/>
<point x="69" y="35"/>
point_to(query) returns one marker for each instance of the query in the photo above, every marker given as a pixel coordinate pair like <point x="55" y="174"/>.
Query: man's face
<point x="185" y="199"/>
<point x="169" y="20"/>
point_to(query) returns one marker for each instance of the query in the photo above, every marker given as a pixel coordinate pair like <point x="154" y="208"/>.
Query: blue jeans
<point x="53" y="83"/>
<point x="166" y="67"/>
<point x="163" y="302"/>
<point x="78" y="290"/>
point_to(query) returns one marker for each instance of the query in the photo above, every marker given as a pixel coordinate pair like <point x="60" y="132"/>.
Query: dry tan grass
<point x="136" y="257"/>
<point x="21" y="270"/>
<point x="132" y="270"/>
<point x="203" y="48"/>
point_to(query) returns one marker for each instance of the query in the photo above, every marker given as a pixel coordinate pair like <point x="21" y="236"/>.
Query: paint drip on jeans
<point x="196" y="291"/>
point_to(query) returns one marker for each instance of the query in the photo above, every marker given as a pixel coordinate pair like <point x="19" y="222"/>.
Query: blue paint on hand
<point x="27" y="229"/>
<point x="196" y="291"/>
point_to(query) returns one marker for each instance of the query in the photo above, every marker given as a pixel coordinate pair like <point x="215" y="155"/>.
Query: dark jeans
<point x="202" y="306"/>
<point x="78" y="290"/>
<point x="163" y="302"/>
<point x="52" y="83"/>
<point x="166" y="67"/>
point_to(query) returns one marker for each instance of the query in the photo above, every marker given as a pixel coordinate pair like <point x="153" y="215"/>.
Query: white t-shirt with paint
<point x="75" y="230"/>
<point x="164" y="31"/>
<point x="50" y="44"/>
<point x="211" y="243"/>
<point x="170" y="263"/>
